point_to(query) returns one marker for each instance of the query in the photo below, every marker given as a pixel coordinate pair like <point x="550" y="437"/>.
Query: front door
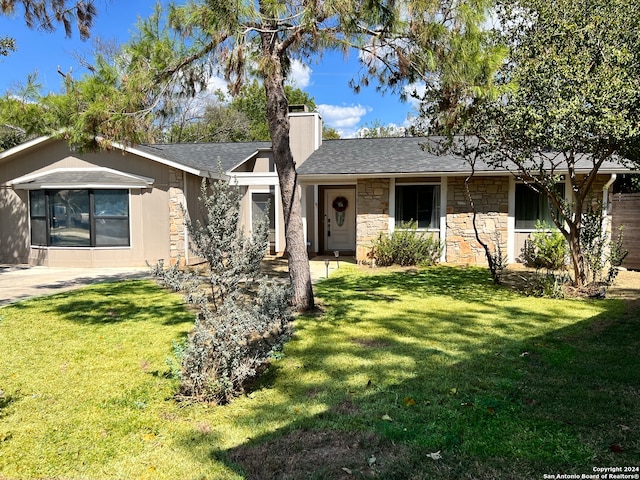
<point x="340" y="219"/>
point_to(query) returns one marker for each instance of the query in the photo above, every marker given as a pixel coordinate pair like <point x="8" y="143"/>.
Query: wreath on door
<point x="340" y="204"/>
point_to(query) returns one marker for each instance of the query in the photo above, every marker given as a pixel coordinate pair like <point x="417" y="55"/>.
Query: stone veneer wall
<point x="491" y="198"/>
<point x="372" y="215"/>
<point x="176" y="217"/>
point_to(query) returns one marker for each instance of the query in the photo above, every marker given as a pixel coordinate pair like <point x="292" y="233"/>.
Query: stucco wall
<point x="491" y="198"/>
<point x="149" y="222"/>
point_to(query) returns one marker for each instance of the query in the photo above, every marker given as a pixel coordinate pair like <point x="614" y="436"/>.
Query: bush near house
<point x="406" y="247"/>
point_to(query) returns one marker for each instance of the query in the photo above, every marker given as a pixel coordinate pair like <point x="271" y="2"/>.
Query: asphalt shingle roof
<point x="361" y="156"/>
<point x="205" y="156"/>
<point x="401" y="155"/>
<point x="378" y="156"/>
<point x="83" y="178"/>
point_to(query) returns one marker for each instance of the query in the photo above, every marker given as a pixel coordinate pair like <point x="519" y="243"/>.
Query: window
<point x="419" y="204"/>
<point x="79" y="218"/>
<point x="532" y="206"/>
<point x="260" y="202"/>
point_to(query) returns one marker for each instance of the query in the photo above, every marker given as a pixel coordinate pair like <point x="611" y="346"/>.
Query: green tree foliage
<point x="244" y="318"/>
<point x="329" y="133"/>
<point x="7" y="45"/>
<point x="569" y="99"/>
<point x="26" y="114"/>
<point x="43" y="14"/>
<point x="241" y="120"/>
<point x="251" y="100"/>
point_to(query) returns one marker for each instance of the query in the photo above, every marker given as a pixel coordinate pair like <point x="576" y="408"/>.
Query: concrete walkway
<point x="19" y="282"/>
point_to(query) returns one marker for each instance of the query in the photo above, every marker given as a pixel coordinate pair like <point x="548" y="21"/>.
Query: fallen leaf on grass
<point x="453" y="391"/>
<point x="624" y="428"/>
<point x="435" y="455"/>
<point x="372" y="460"/>
<point x="491" y="410"/>
<point x="387" y="418"/>
<point x="409" y="401"/>
<point x="347" y="470"/>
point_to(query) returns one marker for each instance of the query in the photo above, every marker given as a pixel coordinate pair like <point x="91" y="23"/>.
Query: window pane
<point x="112" y="232"/>
<point x="419" y="204"/>
<point x="69" y="218"/>
<point x="260" y="203"/>
<point x="532" y="206"/>
<point x="111" y="203"/>
<point x="39" y="231"/>
<point x="527" y="207"/>
<point x="36" y="198"/>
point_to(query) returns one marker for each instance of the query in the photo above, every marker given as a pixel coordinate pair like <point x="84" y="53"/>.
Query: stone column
<point x="176" y="217"/>
<point x="372" y="214"/>
<point x="491" y="198"/>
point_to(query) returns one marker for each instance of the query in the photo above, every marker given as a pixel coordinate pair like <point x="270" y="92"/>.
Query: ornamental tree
<point x="568" y="101"/>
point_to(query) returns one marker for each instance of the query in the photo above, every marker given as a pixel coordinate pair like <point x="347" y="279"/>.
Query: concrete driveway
<point x="19" y="282"/>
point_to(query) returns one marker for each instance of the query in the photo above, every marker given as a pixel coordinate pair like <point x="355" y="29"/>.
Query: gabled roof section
<point x="398" y="156"/>
<point x="204" y="157"/>
<point x="64" y="178"/>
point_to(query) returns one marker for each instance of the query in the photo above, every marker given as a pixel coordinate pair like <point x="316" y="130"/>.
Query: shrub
<point x="243" y="319"/>
<point x="407" y="246"/>
<point x="230" y="346"/>
<point x="598" y="251"/>
<point x="545" y="249"/>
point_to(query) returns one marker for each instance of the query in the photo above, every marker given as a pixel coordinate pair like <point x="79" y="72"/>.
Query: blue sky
<point x="326" y="82"/>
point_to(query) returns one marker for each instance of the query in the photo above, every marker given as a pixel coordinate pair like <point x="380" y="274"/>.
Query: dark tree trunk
<point x="296" y="248"/>
<point x="575" y="249"/>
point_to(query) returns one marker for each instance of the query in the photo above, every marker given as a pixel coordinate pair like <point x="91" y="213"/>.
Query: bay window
<point x="79" y="218"/>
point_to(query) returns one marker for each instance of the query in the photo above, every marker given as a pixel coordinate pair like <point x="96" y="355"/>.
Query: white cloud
<point x="344" y="118"/>
<point x="415" y="88"/>
<point x="300" y="75"/>
<point x="218" y="83"/>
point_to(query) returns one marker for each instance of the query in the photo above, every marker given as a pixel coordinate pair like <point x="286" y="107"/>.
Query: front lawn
<point x="432" y="373"/>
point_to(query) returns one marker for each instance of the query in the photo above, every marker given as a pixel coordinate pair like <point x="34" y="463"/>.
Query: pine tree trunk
<point x="296" y="248"/>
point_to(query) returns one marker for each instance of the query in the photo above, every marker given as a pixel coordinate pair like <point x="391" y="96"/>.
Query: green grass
<point x="400" y="365"/>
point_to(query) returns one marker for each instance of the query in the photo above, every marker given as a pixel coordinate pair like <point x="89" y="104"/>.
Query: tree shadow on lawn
<point x="467" y="284"/>
<point x="517" y="399"/>
<point x="106" y="304"/>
